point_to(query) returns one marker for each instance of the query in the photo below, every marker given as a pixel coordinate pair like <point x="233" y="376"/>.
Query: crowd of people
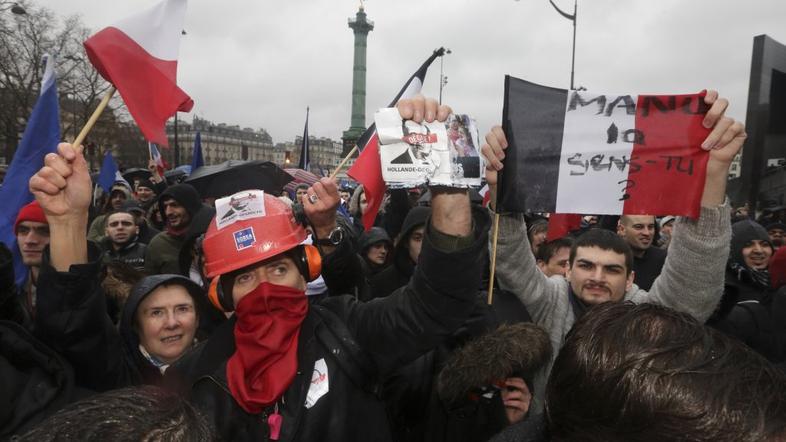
<point x="153" y="313"/>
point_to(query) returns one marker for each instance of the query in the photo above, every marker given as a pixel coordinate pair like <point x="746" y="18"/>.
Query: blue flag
<point x="305" y="161"/>
<point x="41" y="136"/>
<point x="197" y="160"/>
<point x="108" y="175"/>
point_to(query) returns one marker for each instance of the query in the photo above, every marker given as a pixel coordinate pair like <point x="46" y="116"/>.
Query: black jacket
<point x="132" y="254"/>
<point x="398" y="274"/>
<point x="648" y="267"/>
<point x="389" y="331"/>
<point x="72" y="318"/>
<point x="760" y="323"/>
<point x="34" y="380"/>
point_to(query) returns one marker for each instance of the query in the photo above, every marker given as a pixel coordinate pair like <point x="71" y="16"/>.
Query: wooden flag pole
<point x="93" y="118"/>
<point x="343" y="162"/>
<point x="494" y="236"/>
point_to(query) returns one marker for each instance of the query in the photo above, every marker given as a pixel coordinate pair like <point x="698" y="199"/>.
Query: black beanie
<point x="742" y="233"/>
<point x="185" y="195"/>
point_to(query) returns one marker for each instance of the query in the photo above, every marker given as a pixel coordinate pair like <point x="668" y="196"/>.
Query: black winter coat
<point x="72" y="318"/>
<point x="390" y="332"/>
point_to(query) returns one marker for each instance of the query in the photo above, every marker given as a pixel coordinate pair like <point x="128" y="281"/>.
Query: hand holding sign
<point x="577" y="152"/>
<point x="435" y="152"/>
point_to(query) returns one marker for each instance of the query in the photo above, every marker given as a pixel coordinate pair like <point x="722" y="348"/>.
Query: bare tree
<point x="24" y="39"/>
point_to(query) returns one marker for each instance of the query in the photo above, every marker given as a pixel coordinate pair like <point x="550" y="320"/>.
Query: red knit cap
<point x="31" y="212"/>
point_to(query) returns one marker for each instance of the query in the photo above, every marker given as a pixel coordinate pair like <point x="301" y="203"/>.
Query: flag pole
<point x="343" y="162"/>
<point x="494" y="236"/>
<point x="93" y="118"/>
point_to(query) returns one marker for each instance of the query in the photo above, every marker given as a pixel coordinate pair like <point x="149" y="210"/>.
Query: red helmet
<point x="249" y="227"/>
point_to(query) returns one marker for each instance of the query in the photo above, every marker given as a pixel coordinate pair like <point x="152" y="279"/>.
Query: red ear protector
<point x="306" y="257"/>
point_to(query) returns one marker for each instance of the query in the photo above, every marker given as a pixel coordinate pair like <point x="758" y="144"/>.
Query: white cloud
<point x="260" y="63"/>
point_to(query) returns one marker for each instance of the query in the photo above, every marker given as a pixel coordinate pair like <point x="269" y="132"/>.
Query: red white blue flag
<point x="582" y="152"/>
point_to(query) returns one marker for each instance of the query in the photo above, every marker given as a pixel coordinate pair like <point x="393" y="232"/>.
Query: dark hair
<point x="301" y="186"/>
<point x="631" y="372"/>
<point x="549" y="249"/>
<point x="604" y="240"/>
<point x="130" y="414"/>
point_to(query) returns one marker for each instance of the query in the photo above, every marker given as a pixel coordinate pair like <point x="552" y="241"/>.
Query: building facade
<point x="220" y="142"/>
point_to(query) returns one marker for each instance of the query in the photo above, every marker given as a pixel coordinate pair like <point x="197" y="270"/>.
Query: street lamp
<point x="573" y="19"/>
<point x="443" y="80"/>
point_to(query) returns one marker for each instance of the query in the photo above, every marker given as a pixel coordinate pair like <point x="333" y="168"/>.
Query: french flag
<point x="155" y="155"/>
<point x="574" y="152"/>
<point x="138" y="56"/>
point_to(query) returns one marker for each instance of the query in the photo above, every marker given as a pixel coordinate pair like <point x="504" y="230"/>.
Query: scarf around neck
<point x="266" y="335"/>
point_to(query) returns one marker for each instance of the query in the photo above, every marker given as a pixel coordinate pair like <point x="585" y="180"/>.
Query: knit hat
<point x="743" y="232"/>
<point x="776" y="225"/>
<point x="665" y="220"/>
<point x="144" y="182"/>
<point x="31" y="212"/>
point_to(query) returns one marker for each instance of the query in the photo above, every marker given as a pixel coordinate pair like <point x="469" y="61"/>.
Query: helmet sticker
<point x="242" y="205"/>
<point x="244" y="238"/>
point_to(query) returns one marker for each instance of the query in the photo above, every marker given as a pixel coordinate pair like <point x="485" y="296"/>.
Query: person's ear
<point x="629" y="282"/>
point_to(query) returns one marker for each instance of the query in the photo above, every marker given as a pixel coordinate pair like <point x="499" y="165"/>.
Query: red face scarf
<point x="266" y="334"/>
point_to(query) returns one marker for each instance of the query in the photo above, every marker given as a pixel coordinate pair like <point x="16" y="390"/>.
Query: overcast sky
<point x="259" y="63"/>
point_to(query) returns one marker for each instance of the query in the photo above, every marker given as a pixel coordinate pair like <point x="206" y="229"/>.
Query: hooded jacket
<point x="163" y="252"/>
<point x="751" y="313"/>
<point x="369" y="238"/>
<point x="73" y="320"/>
<point x="740" y="282"/>
<point x="398" y="274"/>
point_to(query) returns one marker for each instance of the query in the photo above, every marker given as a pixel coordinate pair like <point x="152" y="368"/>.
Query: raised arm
<point x="693" y="275"/>
<point x="441" y="294"/>
<point x="71" y="310"/>
<point x="516" y="269"/>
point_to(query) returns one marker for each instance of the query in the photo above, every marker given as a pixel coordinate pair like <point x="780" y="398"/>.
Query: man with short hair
<point x="121" y="242"/>
<point x="178" y="204"/>
<point x="146" y="232"/>
<point x="639" y="232"/>
<point x="32" y="237"/>
<point x="300" y="192"/>
<point x="601" y="262"/>
<point x="118" y="195"/>
<point x="553" y="257"/>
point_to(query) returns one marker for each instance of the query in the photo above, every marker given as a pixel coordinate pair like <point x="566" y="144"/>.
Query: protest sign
<point x="582" y="152"/>
<point x="438" y="153"/>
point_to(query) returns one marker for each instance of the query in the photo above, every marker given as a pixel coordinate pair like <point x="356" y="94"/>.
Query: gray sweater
<point x="691" y="280"/>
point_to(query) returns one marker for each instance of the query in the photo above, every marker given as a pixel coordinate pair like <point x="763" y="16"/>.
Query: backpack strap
<point x="354" y="362"/>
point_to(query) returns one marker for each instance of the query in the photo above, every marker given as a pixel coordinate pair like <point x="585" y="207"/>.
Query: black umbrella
<point x="236" y="175"/>
<point x="136" y="172"/>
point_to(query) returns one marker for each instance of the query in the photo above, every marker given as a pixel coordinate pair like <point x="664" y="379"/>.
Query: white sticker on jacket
<point x="320" y="383"/>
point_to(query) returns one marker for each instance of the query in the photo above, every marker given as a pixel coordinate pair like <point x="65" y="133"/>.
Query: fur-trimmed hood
<point x="510" y="350"/>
